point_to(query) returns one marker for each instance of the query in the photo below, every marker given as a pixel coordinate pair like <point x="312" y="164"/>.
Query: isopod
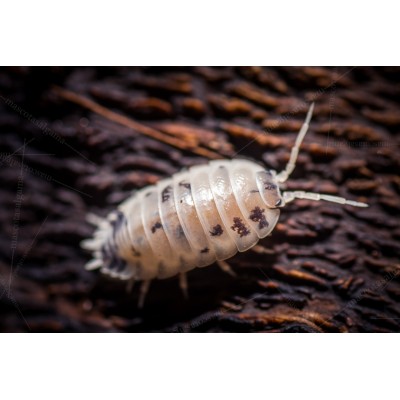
<point x="199" y="216"/>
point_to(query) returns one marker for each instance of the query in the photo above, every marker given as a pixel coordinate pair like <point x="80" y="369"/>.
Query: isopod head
<point x="269" y="188"/>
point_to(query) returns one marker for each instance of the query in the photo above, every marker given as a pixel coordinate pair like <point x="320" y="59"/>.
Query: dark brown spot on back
<point x="117" y="222"/>
<point x="239" y="227"/>
<point x="135" y="252"/>
<point x="270" y="186"/>
<point x="179" y="231"/>
<point x="217" y="230"/>
<point x="156" y="226"/>
<point x="257" y="215"/>
<point x="205" y="250"/>
<point x="166" y="193"/>
<point x="186" y="185"/>
<point x="117" y="263"/>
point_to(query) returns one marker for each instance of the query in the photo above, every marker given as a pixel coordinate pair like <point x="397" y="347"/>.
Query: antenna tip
<point x="357" y="204"/>
<point x="309" y="113"/>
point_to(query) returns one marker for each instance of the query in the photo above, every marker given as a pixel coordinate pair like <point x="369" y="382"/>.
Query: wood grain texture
<point x="326" y="268"/>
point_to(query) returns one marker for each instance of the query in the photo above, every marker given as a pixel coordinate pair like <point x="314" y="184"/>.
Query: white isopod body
<point x="204" y="214"/>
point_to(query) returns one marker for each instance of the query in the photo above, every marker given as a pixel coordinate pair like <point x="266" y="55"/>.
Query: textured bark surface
<point x="327" y="268"/>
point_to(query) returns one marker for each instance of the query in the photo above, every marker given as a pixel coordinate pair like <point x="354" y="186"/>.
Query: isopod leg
<point x="94" y="219"/>
<point x="183" y="284"/>
<point x="226" y="267"/>
<point x="144" y="288"/>
<point x="129" y="285"/>
<point x="262" y="250"/>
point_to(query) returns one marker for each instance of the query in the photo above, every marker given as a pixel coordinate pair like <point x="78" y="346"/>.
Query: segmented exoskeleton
<point x="198" y="216"/>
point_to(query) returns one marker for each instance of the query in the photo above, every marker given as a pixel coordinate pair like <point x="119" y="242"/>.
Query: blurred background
<point x="79" y="140"/>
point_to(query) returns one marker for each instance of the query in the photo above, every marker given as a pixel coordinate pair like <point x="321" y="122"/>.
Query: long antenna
<point x="284" y="175"/>
<point x="298" y="194"/>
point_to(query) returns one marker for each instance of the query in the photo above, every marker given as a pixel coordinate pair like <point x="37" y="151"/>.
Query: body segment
<point x="198" y="216"/>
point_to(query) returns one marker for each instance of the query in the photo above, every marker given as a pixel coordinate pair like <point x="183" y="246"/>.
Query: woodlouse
<point x="194" y="218"/>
